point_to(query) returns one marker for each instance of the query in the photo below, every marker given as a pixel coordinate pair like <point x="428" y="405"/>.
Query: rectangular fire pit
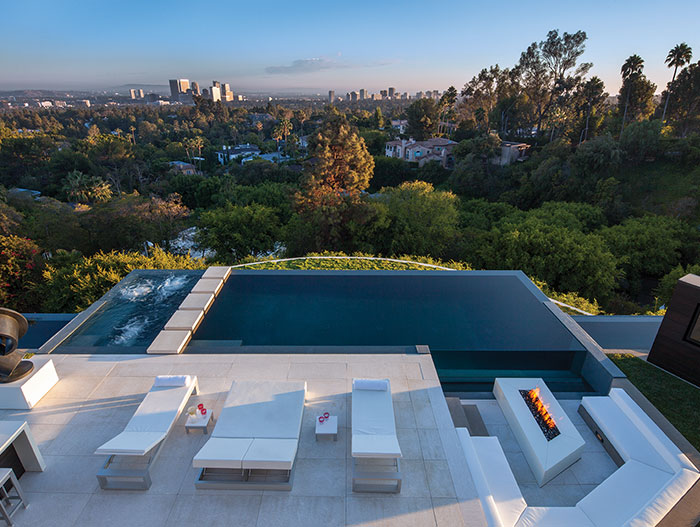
<point x="549" y="439"/>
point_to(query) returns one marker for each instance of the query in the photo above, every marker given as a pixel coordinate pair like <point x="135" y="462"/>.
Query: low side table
<point x="199" y="422"/>
<point x="328" y="428"/>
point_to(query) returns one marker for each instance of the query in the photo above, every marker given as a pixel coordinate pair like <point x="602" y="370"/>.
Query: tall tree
<point x="678" y="57"/>
<point x="422" y="118"/>
<point x="632" y="68"/>
<point x="685" y="107"/>
<point x="592" y="95"/>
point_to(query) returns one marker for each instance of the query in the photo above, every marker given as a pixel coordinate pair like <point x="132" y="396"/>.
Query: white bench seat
<point x="222" y="452"/>
<point x="554" y="517"/>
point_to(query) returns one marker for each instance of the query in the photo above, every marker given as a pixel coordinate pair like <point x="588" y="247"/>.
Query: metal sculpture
<point x="13" y="326"/>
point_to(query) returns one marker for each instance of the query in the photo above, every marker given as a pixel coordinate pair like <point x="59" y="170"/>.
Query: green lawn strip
<point x="676" y="399"/>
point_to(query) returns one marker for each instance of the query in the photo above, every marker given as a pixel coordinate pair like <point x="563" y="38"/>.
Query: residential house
<point x="400" y="124"/>
<point x="183" y="168"/>
<point x="421" y="152"/>
<point x="511" y="152"/>
<point x="229" y="153"/>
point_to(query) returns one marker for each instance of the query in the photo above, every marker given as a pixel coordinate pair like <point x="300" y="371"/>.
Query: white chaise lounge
<point x="654" y="474"/>
<point x="254" y="443"/>
<point x="375" y="447"/>
<point x="133" y="451"/>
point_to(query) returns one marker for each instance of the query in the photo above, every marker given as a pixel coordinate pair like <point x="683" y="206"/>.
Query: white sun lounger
<point x="254" y="443"/>
<point x="375" y="447"/>
<point x="133" y="451"/>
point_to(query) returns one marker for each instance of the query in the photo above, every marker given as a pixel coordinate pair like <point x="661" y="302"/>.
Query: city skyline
<point x="367" y="47"/>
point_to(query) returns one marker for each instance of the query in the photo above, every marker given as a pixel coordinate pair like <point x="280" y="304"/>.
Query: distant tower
<point x="215" y="92"/>
<point x="383" y="93"/>
<point x="132" y="93"/>
<point x="354" y="96"/>
<point x="363" y="94"/>
<point x="331" y="96"/>
<point x="178" y="87"/>
<point x="195" y="88"/>
<point x="226" y="93"/>
<point x="392" y="92"/>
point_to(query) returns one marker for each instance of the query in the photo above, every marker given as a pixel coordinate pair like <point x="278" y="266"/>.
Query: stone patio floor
<point x="97" y="395"/>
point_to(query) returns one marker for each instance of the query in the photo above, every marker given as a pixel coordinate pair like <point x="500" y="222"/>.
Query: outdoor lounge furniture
<point x="255" y="440"/>
<point x="653" y="477"/>
<point x="133" y="451"/>
<point x="375" y="447"/>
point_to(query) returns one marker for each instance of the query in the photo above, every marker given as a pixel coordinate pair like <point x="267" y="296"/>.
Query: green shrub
<point x="20" y="273"/>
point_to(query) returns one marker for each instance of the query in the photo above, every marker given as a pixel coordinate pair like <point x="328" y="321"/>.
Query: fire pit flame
<point x="540" y="412"/>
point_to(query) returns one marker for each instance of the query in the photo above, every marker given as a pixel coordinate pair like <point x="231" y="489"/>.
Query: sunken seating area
<point x="653" y="474"/>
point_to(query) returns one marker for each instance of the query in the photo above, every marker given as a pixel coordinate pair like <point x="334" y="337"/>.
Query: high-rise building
<point x="354" y="96"/>
<point x="216" y="83"/>
<point x="215" y="92"/>
<point x="392" y="92"/>
<point x="132" y="93"/>
<point x="363" y="94"/>
<point x="226" y="93"/>
<point x="331" y="96"/>
<point x="178" y="86"/>
<point x="195" y="88"/>
<point x="383" y="93"/>
<point x="419" y="95"/>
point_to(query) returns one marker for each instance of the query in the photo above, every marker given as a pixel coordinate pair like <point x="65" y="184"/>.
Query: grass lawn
<point x="676" y="399"/>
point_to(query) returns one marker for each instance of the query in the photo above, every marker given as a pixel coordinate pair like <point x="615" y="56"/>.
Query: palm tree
<point x="132" y="129"/>
<point x="631" y="68"/>
<point x="198" y="143"/>
<point x="678" y="57"/>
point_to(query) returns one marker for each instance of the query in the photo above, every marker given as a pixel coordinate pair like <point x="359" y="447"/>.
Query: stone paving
<point x="97" y="395"/>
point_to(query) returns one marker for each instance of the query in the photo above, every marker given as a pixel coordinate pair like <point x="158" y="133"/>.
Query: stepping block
<point x="219" y="272"/>
<point x="185" y="320"/>
<point x="197" y="301"/>
<point x="208" y="285"/>
<point x="170" y="342"/>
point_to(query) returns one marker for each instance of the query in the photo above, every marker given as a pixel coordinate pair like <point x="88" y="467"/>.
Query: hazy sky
<point x="307" y="46"/>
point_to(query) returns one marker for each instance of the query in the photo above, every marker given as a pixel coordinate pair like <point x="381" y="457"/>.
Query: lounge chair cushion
<point x="267" y="410"/>
<point x="373" y="425"/>
<point x="159" y="409"/>
<point x="220" y="452"/>
<point x="554" y="517"/>
<point x="131" y="443"/>
<point x="172" y="380"/>
<point x="375" y="446"/>
<point x="271" y="454"/>
<point x="380" y="385"/>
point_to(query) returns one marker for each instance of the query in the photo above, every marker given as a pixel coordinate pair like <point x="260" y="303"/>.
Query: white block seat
<point x="220" y="272"/>
<point x="135" y="450"/>
<point x="208" y="285"/>
<point x="255" y="440"/>
<point x="375" y="447"/>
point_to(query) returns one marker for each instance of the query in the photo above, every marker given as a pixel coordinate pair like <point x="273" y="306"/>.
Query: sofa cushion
<point x="666" y="499"/>
<point x="629" y="441"/>
<point x="659" y="441"/>
<point x="501" y="484"/>
<point x="625" y="494"/>
<point x="554" y="517"/>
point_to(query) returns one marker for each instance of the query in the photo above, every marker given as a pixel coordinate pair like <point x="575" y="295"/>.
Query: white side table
<point x="328" y="428"/>
<point x="199" y="422"/>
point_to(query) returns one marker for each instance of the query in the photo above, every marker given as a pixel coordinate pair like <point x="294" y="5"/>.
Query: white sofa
<point x="654" y="477"/>
<point x="255" y="440"/>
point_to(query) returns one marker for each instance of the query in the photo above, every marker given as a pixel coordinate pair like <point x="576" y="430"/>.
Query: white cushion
<point x="629" y="441"/>
<point x="262" y="409"/>
<point x="500" y="480"/>
<point x="222" y="453"/>
<point x="554" y="517"/>
<point x="659" y="441"/>
<point x="625" y="494"/>
<point x="271" y="454"/>
<point x="665" y="500"/>
<point x="172" y="380"/>
<point x="375" y="446"/>
<point x="131" y="443"/>
<point x="373" y="424"/>
<point x="159" y="409"/>
<point x="477" y="472"/>
<point x="380" y="385"/>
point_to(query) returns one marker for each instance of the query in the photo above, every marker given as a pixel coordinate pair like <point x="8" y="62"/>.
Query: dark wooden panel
<point x="671" y="350"/>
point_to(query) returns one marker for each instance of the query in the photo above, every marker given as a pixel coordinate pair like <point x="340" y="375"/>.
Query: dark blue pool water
<point x="448" y="311"/>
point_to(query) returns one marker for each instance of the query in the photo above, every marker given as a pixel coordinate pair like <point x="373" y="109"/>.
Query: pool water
<point x="479" y="325"/>
<point x="134" y="312"/>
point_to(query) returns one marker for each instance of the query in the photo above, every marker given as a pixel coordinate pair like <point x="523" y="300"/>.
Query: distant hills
<point x="161" y="89"/>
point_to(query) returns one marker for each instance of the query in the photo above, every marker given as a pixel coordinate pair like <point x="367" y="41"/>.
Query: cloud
<point x="305" y="66"/>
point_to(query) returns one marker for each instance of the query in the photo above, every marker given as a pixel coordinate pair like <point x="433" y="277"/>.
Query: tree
<point x="20" y="273"/>
<point x="641" y="140"/>
<point x="592" y="95"/>
<point x="685" y="92"/>
<point x="378" y="118"/>
<point x="636" y="89"/>
<point x="82" y="188"/>
<point x="423" y="118"/>
<point x="422" y="221"/>
<point x="235" y="232"/>
<point x="678" y="57"/>
<point x="446" y="107"/>
<point x="341" y="165"/>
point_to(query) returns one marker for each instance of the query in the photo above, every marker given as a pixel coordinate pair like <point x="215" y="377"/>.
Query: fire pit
<point x="548" y="438"/>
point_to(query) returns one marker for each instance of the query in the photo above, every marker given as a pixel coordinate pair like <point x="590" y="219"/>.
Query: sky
<point x="313" y="47"/>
